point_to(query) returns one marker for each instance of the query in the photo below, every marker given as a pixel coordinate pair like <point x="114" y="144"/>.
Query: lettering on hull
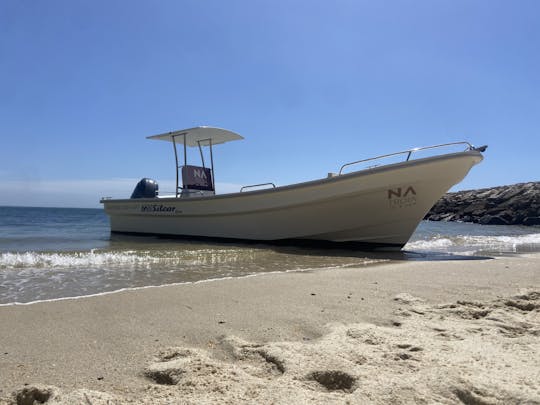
<point x="159" y="208"/>
<point x="402" y="197"/>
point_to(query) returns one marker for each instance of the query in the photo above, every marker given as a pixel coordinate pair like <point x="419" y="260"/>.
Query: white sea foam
<point x="184" y="258"/>
<point x="474" y="243"/>
<point x="96" y="258"/>
<point x="71" y="259"/>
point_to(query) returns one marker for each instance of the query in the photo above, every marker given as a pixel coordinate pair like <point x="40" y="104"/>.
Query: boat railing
<point x="408" y="154"/>
<point x="257" y="185"/>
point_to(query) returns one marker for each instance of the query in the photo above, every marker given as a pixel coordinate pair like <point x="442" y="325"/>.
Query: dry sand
<point x="463" y="331"/>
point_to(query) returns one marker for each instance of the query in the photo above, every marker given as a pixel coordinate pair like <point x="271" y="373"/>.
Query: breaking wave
<point x="90" y="259"/>
<point x="471" y="244"/>
<point x="60" y="260"/>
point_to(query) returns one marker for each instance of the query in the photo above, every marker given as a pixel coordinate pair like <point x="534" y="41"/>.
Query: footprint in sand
<point x="334" y="380"/>
<point x="265" y="359"/>
<point x="33" y="395"/>
<point x="173" y="364"/>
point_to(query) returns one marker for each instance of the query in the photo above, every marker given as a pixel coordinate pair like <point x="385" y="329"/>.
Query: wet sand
<point x="461" y="331"/>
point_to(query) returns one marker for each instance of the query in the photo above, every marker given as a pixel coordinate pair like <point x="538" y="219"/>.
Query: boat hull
<point x="380" y="207"/>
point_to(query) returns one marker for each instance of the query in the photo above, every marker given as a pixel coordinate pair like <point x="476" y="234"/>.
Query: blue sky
<point x="310" y="84"/>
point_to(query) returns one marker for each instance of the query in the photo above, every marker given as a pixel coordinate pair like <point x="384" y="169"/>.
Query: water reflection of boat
<point x="379" y="206"/>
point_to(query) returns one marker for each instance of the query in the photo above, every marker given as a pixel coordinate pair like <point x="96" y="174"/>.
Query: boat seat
<point x="197" y="178"/>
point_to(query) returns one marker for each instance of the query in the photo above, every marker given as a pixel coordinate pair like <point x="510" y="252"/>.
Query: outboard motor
<point x="146" y="188"/>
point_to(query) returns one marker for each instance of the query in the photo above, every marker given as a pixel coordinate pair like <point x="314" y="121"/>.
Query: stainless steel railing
<point x="258" y="185"/>
<point x="409" y="153"/>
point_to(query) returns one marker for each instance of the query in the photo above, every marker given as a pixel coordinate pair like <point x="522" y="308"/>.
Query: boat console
<point x="197" y="181"/>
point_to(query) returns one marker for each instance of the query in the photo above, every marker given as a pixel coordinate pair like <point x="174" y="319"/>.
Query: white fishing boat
<point x="375" y="206"/>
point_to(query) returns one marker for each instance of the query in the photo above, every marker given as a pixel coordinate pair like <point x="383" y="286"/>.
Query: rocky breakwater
<point x="518" y="204"/>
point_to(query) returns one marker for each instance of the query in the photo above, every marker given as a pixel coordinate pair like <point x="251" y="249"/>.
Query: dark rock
<point x="492" y="220"/>
<point x="479" y="206"/>
<point x="529" y="221"/>
<point x="518" y="204"/>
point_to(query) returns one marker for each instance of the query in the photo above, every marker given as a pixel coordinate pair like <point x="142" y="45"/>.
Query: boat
<point x="378" y="206"/>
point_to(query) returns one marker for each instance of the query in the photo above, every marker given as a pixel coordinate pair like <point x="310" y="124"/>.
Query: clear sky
<point x="309" y="84"/>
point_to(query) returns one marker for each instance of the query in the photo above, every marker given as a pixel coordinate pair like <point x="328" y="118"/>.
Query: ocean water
<point x="56" y="253"/>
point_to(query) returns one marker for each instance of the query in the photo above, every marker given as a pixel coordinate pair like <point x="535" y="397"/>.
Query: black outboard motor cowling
<point x="146" y="188"/>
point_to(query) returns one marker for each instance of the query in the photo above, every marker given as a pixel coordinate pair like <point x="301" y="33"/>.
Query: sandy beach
<point x="458" y="331"/>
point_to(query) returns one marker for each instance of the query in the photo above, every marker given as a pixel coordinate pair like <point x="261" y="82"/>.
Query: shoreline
<point x="373" y="262"/>
<point x="372" y="259"/>
<point x="123" y="345"/>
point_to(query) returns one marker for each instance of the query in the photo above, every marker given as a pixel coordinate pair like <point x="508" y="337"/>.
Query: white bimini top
<point x="198" y="136"/>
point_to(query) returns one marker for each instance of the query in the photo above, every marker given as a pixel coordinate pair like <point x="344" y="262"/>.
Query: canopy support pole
<point x="175" y="148"/>
<point x="212" y="163"/>
<point x="176" y="160"/>
<point x="200" y="151"/>
<point x="185" y="158"/>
